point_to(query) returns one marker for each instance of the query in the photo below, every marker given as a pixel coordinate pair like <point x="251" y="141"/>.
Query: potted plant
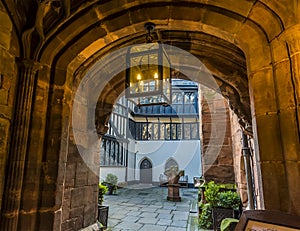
<point x="102" y="210"/>
<point x="220" y="201"/>
<point x="111" y="181"/>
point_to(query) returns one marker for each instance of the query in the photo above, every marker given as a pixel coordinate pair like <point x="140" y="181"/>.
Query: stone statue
<point x="173" y="175"/>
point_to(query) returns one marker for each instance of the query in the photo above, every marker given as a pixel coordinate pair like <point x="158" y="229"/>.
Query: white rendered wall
<point x="186" y="153"/>
<point x="120" y="172"/>
<point x="131" y="161"/>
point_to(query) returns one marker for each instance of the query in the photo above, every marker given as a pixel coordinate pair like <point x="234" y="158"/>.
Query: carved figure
<point x="173" y="175"/>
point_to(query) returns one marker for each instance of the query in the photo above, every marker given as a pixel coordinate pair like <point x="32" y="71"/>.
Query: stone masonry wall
<point x="239" y="167"/>
<point x="217" y="156"/>
<point x="80" y="197"/>
<point x="8" y="79"/>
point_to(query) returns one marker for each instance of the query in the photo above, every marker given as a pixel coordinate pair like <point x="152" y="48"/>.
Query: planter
<point x="103" y="215"/>
<point x="219" y="214"/>
<point x="111" y="189"/>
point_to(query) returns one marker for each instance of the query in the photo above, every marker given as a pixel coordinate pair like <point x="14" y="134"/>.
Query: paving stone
<point x="153" y="228"/>
<point x="164" y="222"/>
<point x="128" y="226"/>
<point x="130" y="218"/>
<point x="147" y="209"/>
<point x="148" y="220"/>
<point x="180" y="217"/>
<point x="179" y="223"/>
<point x="167" y="211"/>
<point x="155" y="206"/>
<point x="175" y="229"/>
<point x="113" y="222"/>
<point x="181" y="213"/>
<point x="134" y="213"/>
<point x="169" y="207"/>
<point x="165" y="216"/>
<point x="117" y="216"/>
<point x="183" y="208"/>
<point x="147" y="214"/>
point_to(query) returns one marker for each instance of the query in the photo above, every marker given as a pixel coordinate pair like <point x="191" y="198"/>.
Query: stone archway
<point x="255" y="41"/>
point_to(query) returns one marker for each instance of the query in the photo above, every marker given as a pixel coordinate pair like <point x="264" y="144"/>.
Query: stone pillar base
<point x="173" y="192"/>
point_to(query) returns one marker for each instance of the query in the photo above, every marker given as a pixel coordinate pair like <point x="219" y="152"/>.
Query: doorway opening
<point x="146" y="172"/>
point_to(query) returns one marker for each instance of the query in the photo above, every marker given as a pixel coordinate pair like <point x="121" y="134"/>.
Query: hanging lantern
<point x="148" y="73"/>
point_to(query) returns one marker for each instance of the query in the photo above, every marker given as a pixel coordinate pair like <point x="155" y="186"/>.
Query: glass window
<point x="107" y="153"/>
<point x="179" y="131"/>
<point x="121" y="155"/>
<point x="144" y="131"/>
<point x="189" y="97"/>
<point x="173" y="132"/>
<point x="194" y="131"/>
<point x="162" y="131"/>
<point x="112" y="153"/>
<point x="167" y="131"/>
<point x="176" y="97"/>
<point x="187" y="131"/>
<point x="155" y="131"/>
<point x="116" y="153"/>
<point x="150" y="133"/>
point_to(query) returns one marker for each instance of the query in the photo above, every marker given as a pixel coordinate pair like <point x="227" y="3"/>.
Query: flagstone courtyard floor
<point x="144" y="207"/>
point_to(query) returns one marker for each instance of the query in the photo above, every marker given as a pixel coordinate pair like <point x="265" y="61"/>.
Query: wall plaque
<point x="265" y="220"/>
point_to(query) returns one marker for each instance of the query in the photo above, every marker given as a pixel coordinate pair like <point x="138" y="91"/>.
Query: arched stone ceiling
<point x="73" y="34"/>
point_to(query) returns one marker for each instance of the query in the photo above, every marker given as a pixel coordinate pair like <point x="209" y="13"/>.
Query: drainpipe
<point x="247" y="156"/>
<point x="134" y="165"/>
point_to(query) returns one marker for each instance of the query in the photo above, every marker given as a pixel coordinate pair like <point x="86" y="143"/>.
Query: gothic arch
<point x="260" y="37"/>
<point x="171" y="162"/>
<point x="145" y="171"/>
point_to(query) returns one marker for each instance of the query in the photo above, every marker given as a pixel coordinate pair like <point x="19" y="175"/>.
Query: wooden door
<point x="146" y="172"/>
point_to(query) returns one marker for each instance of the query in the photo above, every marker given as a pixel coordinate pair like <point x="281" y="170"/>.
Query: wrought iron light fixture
<point x="148" y="72"/>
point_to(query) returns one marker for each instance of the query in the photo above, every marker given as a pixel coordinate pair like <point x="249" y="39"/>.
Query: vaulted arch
<point x="48" y="47"/>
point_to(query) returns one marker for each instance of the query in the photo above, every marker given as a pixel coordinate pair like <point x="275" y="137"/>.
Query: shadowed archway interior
<point x="47" y="47"/>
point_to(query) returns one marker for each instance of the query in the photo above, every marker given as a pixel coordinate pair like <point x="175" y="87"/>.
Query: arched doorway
<point x="146" y="172"/>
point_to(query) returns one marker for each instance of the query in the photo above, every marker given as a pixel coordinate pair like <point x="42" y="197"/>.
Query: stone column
<point x="286" y="56"/>
<point x="275" y="92"/>
<point x="18" y="146"/>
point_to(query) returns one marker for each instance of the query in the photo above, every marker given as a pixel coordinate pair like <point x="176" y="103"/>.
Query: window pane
<point x="162" y="132"/>
<point x="168" y="131"/>
<point x="107" y="155"/>
<point x="187" y="131"/>
<point x="155" y="131"/>
<point x="179" y="131"/>
<point x="144" y="131"/>
<point x="112" y="153"/>
<point x="117" y="153"/>
<point x="121" y="154"/>
<point x="194" y="131"/>
<point x="173" y="131"/>
<point x="150" y="135"/>
<point x="139" y="131"/>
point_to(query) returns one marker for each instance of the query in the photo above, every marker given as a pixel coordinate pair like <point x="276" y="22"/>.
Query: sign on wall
<point x="265" y="220"/>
